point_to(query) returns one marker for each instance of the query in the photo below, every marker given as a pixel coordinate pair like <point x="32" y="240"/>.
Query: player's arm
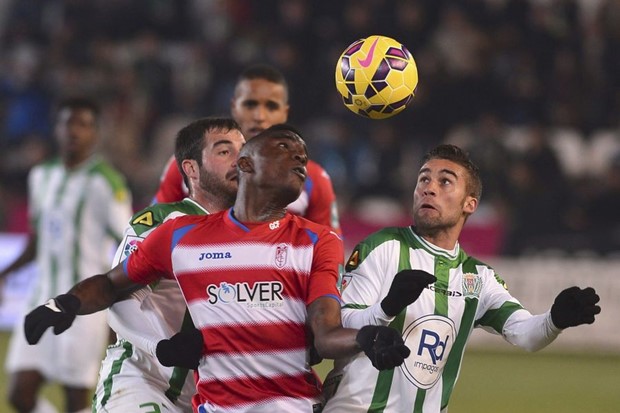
<point x="149" y="263"/>
<point x="572" y="307"/>
<point x="383" y="345"/>
<point x="27" y="255"/>
<point x="127" y="319"/>
<point x="88" y="296"/>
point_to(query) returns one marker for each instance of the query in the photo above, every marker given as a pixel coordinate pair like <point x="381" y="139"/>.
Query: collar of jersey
<point x="239" y="227"/>
<point x="434" y="249"/>
<point x="191" y="201"/>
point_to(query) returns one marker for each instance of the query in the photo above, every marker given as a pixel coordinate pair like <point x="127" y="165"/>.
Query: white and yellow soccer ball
<point x="377" y="77"/>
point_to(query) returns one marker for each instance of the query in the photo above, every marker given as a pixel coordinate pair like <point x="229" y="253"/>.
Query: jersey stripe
<point x="116" y="368"/>
<point x="251" y="391"/>
<point x="253" y="365"/>
<point x="229" y="339"/>
<point x="239" y="256"/>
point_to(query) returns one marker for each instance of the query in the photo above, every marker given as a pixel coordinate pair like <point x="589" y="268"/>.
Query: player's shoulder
<point x="46" y="166"/>
<point x="156" y="214"/>
<point x="103" y="170"/>
<point x="387" y="234"/>
<point x="316" y="171"/>
<point x="312" y="228"/>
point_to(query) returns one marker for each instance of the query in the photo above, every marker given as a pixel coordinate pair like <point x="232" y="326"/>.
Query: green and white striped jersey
<point x="79" y="216"/>
<point x="151" y="314"/>
<point x="467" y="294"/>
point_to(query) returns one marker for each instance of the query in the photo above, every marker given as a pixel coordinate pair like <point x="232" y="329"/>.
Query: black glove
<point x="405" y="289"/>
<point x="384" y="346"/>
<point x="184" y="349"/>
<point x="58" y="312"/>
<point x="575" y="306"/>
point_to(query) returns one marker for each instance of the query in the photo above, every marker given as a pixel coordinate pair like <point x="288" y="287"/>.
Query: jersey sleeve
<point x="151" y="259"/>
<point x="171" y="185"/>
<point x="496" y="303"/>
<point x="322" y="206"/>
<point x="326" y="267"/>
<point x="369" y="273"/>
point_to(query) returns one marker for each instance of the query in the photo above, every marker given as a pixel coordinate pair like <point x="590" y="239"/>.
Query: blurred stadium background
<point x="530" y="87"/>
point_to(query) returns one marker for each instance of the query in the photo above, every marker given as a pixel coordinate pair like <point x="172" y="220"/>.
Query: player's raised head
<point x="457" y="155"/>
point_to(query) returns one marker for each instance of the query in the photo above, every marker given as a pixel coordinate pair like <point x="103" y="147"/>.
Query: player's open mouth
<point x="232" y="177"/>
<point x="301" y="171"/>
<point x="427" y="206"/>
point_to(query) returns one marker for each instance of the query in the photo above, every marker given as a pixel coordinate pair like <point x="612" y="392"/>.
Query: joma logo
<point x="214" y="256"/>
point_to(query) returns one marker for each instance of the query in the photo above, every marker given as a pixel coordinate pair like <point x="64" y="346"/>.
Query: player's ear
<point x="190" y="167"/>
<point x="470" y="205"/>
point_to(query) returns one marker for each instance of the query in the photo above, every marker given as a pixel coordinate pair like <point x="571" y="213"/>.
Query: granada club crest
<point x="281" y="255"/>
<point x="472" y="285"/>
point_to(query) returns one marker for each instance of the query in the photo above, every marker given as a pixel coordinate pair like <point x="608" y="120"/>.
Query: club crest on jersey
<point x="131" y="245"/>
<point x="281" y="255"/>
<point x="472" y="285"/>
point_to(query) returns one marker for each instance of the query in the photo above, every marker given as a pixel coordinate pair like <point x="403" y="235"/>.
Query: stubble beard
<point x="222" y="190"/>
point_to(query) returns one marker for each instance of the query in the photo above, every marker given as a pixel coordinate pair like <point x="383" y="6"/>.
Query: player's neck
<point x="445" y="238"/>
<point x="212" y="204"/>
<point x="249" y="210"/>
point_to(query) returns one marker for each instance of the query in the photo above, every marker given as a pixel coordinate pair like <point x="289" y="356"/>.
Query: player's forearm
<point x="338" y="343"/>
<point x="127" y="320"/>
<point x="28" y="254"/>
<point x="95" y="294"/>
<point x="530" y="332"/>
<point x="373" y="315"/>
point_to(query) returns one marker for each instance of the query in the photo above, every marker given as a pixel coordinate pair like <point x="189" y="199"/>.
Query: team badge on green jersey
<point x="472" y="285"/>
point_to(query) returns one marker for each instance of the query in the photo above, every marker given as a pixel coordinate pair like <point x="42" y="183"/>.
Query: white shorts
<point x="71" y="358"/>
<point x="131" y="380"/>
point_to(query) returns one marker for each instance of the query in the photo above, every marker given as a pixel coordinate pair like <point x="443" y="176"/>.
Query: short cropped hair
<point x="190" y="141"/>
<point x="266" y="72"/>
<point x="460" y="157"/>
<point x="78" y="102"/>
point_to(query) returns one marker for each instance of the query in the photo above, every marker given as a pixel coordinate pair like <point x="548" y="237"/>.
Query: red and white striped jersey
<point x="247" y="287"/>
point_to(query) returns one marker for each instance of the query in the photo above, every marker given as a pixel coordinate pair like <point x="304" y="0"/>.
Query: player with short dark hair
<point x="206" y="151"/>
<point x="258" y="281"/>
<point x="418" y="280"/>
<point x="260" y="100"/>
<point x="78" y="206"/>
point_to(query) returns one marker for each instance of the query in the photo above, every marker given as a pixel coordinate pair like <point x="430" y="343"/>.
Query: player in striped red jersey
<point x="256" y="280"/>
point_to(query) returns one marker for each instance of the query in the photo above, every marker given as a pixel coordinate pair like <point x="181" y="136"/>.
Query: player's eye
<point x="272" y="106"/>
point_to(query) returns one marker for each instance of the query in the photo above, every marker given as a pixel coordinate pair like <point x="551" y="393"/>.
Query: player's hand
<point x="58" y="312"/>
<point x="184" y="349"/>
<point x="405" y="289"/>
<point x="383" y="345"/>
<point x="574" y="306"/>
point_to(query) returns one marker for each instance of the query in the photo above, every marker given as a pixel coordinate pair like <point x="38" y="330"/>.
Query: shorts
<point x="71" y="358"/>
<point x="132" y="381"/>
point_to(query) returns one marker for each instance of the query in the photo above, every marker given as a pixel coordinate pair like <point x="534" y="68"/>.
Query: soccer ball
<point x="376" y="77"/>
